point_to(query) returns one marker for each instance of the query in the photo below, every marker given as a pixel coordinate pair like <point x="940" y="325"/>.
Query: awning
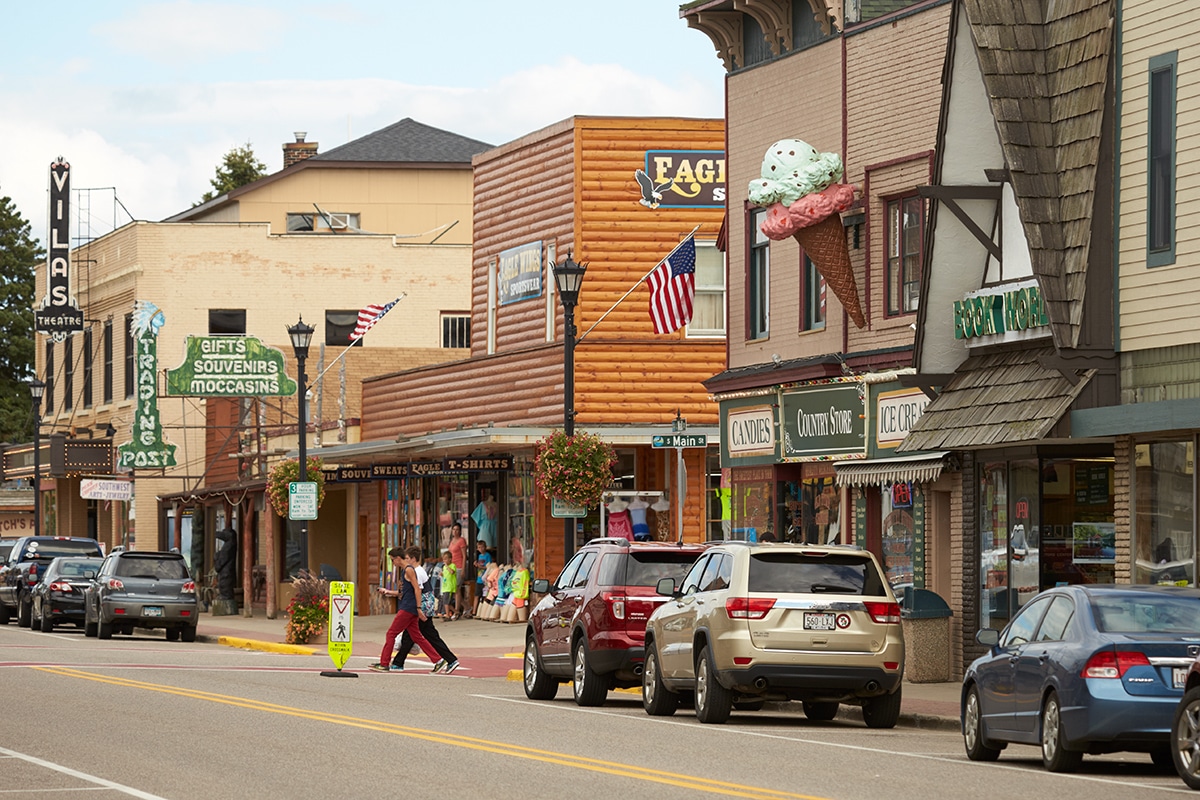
<point x="921" y="468"/>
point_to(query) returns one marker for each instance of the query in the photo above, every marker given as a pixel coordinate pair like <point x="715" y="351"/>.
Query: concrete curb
<point x="254" y="644"/>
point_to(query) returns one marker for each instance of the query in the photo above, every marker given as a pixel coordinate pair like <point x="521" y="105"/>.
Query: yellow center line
<point x="440" y="737"/>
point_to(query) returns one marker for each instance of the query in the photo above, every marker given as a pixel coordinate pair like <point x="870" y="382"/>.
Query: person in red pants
<point x="408" y="613"/>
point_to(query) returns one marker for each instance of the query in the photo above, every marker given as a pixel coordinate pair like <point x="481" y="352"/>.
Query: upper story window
<point x="1160" y="189"/>
<point x="48" y="396"/>
<point x="758" y="279"/>
<point x="812" y="296"/>
<point x="338" y="327"/>
<point x="867" y="10"/>
<point x="456" y="329"/>
<point x="108" y="362"/>
<point x="335" y="221"/>
<point x="86" y="399"/>
<point x="227" y="321"/>
<point x="905" y="222"/>
<point x="130" y="354"/>
<point x="68" y="373"/>
<point x="708" y="308"/>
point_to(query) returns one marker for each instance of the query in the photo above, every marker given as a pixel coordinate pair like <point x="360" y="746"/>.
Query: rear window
<point x="155" y="568"/>
<point x="53" y="548"/>
<point x="1142" y="613"/>
<point x="78" y="569"/>
<point x="5" y="549"/>
<point x="644" y="569"/>
<point x="796" y="573"/>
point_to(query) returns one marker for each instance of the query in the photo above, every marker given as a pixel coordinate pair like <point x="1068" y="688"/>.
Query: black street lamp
<point x="568" y="278"/>
<point x="301" y="336"/>
<point x="36" y="390"/>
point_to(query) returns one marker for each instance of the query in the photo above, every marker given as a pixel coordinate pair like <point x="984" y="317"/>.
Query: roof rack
<point x="729" y="541"/>
<point x="610" y="540"/>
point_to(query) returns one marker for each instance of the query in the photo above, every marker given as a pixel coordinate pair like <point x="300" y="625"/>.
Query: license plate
<point x="1179" y="677"/>
<point x="819" y="622"/>
<point x="152" y="611"/>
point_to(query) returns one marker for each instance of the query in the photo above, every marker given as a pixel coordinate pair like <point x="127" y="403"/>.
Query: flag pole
<point x="347" y="348"/>
<point x="639" y="283"/>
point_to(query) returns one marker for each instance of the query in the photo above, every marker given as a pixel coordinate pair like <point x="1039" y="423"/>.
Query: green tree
<point x="239" y="167"/>
<point x="19" y="256"/>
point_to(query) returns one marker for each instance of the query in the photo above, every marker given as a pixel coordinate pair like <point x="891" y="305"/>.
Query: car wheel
<point x="820" y="712"/>
<point x="45" y="621"/>
<point x="882" y="711"/>
<point x="89" y="627"/>
<point x="5" y="614"/>
<point x="657" y="699"/>
<point x="538" y="685"/>
<point x="1055" y="755"/>
<point x="188" y="633"/>
<point x="35" y="619"/>
<point x="104" y="629"/>
<point x="589" y="687"/>
<point x="24" y="614"/>
<point x="172" y="634"/>
<point x="1185" y="738"/>
<point x="713" y="701"/>
<point x="978" y="748"/>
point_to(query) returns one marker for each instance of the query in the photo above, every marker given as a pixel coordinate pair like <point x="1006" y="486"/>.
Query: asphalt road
<point x="142" y="717"/>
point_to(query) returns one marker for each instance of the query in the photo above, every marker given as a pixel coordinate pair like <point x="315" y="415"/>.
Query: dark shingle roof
<point x="408" y="141"/>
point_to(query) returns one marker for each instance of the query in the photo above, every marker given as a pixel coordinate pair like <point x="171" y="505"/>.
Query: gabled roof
<point x="1045" y="65"/>
<point x="407" y="141"/>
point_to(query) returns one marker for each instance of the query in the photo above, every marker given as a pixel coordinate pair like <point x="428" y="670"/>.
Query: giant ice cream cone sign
<point x="803" y="195"/>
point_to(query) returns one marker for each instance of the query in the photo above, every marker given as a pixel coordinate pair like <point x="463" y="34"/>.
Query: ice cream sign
<point x="1006" y="313"/>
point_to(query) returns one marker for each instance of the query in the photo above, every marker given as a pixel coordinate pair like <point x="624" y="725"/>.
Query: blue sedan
<point x="1083" y="669"/>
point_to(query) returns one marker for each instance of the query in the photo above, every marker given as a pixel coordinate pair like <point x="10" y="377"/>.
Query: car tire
<point x="172" y="634"/>
<point x="1055" y="755"/>
<point x="45" y="621"/>
<point x="35" y="619"/>
<point x="1162" y="758"/>
<point x="24" y="614"/>
<point x="657" y="699"/>
<point x="188" y="633"/>
<point x="882" y="711"/>
<point x="978" y="748"/>
<point x="590" y="689"/>
<point x="713" y="701"/>
<point x="104" y="629"/>
<point x="538" y="685"/>
<point x="1185" y="738"/>
<point x="89" y="627"/>
<point x="5" y="614"/>
<point x="820" y="711"/>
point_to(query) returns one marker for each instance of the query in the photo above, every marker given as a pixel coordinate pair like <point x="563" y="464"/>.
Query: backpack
<point x="428" y="598"/>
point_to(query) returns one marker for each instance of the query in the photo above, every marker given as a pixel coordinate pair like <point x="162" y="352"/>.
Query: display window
<point x="1164" y="549"/>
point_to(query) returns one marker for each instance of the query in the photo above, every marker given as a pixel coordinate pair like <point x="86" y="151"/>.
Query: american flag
<point x="368" y="317"/>
<point x="673" y="288"/>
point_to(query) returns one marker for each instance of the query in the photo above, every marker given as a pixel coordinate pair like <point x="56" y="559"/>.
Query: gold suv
<point x="757" y="622"/>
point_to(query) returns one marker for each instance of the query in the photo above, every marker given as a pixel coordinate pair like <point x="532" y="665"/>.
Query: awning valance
<point x="921" y="468"/>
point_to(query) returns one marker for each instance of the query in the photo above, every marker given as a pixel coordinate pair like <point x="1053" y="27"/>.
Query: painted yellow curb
<point x="516" y="675"/>
<point x="269" y="647"/>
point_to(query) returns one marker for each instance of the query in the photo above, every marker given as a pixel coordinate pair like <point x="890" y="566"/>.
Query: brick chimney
<point x="297" y="151"/>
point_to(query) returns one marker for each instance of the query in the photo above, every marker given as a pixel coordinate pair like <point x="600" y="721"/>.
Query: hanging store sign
<point x="824" y="421"/>
<point x="229" y="366"/>
<point x="97" y="489"/>
<point x="686" y="178"/>
<point x="147" y="450"/>
<point x="750" y="431"/>
<point x="896" y="413"/>
<point x="60" y="315"/>
<point x="1009" y="313"/>
<point x="520" y="273"/>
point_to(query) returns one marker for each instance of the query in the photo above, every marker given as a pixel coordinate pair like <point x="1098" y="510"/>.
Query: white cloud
<point x="172" y="32"/>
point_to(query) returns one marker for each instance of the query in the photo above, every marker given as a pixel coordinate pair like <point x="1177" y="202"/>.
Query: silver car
<point x="142" y="589"/>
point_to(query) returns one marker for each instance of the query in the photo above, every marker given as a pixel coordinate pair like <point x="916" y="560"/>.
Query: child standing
<point x="449" y="585"/>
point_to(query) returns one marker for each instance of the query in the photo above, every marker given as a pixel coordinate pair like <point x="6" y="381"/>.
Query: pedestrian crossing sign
<point x="340" y="630"/>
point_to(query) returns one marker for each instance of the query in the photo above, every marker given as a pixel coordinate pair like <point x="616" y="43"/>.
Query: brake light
<point x="884" y="613"/>
<point x="60" y="586"/>
<point x="189" y="587"/>
<point x="31" y="577"/>
<point x="748" y="607"/>
<point x="1113" y="663"/>
<point x="115" y="583"/>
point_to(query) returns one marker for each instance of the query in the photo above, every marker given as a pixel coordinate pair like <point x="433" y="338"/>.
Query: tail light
<point x="189" y="587"/>
<point x="884" y="613"/>
<point x="31" y="577"/>
<point x="62" y="587"/>
<point x="115" y="584"/>
<point x="748" y="607"/>
<point x="1113" y="663"/>
<point x="615" y="602"/>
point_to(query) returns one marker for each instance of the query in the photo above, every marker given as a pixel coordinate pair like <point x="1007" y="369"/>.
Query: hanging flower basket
<point x="576" y="469"/>
<point x="286" y="472"/>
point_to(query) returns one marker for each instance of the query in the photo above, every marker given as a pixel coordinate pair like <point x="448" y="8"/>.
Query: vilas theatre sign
<point x="59" y="315"/>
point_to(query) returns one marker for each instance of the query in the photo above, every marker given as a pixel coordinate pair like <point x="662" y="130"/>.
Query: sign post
<point x="340" y="627"/>
<point x="680" y="441"/>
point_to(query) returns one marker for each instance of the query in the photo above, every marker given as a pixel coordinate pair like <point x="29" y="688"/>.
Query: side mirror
<point x="540" y="586"/>
<point x="988" y="636"/>
<point x="90" y="574"/>
<point x="666" y="587"/>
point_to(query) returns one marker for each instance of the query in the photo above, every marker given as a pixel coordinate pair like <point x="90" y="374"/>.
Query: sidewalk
<point x="493" y="650"/>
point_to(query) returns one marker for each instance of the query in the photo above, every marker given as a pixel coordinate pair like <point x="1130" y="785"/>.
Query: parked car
<point x="590" y="626"/>
<point x="758" y="622"/>
<point x="1083" y="669"/>
<point x="1185" y="729"/>
<point x="58" y="596"/>
<point x="142" y="589"/>
<point x="29" y="556"/>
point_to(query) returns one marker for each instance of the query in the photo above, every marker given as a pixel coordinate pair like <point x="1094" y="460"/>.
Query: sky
<point x="144" y="99"/>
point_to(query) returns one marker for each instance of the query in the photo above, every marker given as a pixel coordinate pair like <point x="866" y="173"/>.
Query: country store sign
<point x="824" y="421"/>
<point x="230" y="366"/>
<point x="1001" y="313"/>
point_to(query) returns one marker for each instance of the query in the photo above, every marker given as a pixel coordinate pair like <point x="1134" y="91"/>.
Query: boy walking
<point x="449" y="585"/>
<point x="408" y="611"/>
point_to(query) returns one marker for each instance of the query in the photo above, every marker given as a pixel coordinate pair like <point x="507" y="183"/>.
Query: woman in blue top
<point x="408" y="614"/>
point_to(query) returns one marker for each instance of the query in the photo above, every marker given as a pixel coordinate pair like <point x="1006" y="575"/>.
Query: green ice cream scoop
<point x="791" y="169"/>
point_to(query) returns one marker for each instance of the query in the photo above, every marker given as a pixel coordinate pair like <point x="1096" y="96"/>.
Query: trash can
<point x="925" y="620"/>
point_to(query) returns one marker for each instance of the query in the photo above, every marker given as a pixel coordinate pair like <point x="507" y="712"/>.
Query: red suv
<point x="590" y="627"/>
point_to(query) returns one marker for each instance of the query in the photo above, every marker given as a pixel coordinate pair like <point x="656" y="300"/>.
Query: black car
<point x="142" y="589"/>
<point x="58" y="596"/>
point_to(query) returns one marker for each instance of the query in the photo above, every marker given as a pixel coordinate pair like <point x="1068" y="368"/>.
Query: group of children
<point x="502" y="590"/>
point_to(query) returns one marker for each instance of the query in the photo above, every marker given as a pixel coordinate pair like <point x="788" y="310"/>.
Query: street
<point x="141" y="717"/>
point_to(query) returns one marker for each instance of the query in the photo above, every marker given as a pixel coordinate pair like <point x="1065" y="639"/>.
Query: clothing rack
<point x="619" y="494"/>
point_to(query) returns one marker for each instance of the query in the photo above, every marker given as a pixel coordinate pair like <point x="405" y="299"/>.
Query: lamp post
<point x="301" y="335"/>
<point x="679" y="425"/>
<point x="37" y="388"/>
<point x="568" y="278"/>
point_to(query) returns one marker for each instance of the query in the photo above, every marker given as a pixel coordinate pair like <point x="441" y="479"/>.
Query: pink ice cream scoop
<point x="783" y="221"/>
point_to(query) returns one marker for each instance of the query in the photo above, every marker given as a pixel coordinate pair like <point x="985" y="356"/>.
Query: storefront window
<point x="899" y="533"/>
<point x="1079" y="539"/>
<point x="1024" y="533"/>
<point x="751" y="502"/>
<point x="520" y="511"/>
<point x="1163" y="503"/>
<point x="713" y="496"/>
<point x="810" y="510"/>
<point x="993" y="544"/>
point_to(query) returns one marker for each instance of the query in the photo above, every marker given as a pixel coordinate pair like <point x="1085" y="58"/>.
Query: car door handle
<point x="1043" y="658"/>
<point x="1013" y="659"/>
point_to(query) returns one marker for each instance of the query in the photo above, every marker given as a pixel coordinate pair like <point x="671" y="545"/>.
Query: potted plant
<point x="576" y="469"/>
<point x="308" y="613"/>
<point x="288" y="471"/>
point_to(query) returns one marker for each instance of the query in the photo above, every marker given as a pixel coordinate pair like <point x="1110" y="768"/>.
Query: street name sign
<point x="684" y="440"/>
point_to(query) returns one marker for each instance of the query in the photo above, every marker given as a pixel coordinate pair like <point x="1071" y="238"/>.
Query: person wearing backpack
<point x="447" y="660"/>
<point x="408" y="608"/>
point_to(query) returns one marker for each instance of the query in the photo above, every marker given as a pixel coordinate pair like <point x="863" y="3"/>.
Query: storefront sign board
<point x="823" y="421"/>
